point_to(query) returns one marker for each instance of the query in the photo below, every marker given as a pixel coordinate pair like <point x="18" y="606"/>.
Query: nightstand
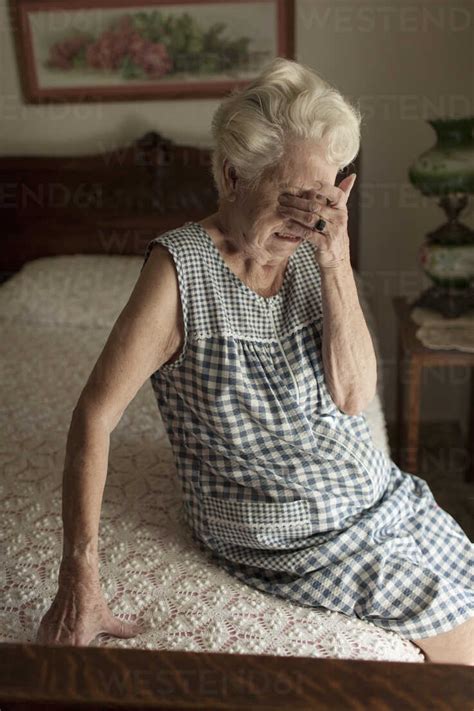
<point x="412" y="357"/>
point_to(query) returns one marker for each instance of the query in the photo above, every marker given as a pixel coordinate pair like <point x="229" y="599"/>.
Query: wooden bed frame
<point x="114" y="202"/>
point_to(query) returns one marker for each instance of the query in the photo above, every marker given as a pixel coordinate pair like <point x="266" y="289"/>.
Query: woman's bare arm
<point x="146" y="334"/>
<point x="143" y="338"/>
<point x="350" y="364"/>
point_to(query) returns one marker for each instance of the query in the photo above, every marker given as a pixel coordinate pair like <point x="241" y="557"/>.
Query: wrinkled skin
<point x="290" y="197"/>
<point x="79" y="611"/>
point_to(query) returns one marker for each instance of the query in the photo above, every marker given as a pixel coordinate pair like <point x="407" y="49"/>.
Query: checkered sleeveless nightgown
<point x="282" y="489"/>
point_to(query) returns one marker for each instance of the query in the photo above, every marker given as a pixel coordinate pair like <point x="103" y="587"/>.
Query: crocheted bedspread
<point x="150" y="567"/>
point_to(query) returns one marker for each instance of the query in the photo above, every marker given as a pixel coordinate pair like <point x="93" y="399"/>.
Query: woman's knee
<point x="453" y="647"/>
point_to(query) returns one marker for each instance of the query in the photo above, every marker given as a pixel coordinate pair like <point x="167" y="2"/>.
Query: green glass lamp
<point x="447" y="255"/>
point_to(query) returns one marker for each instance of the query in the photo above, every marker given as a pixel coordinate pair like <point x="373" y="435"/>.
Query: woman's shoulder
<point x="188" y="232"/>
<point x="184" y="242"/>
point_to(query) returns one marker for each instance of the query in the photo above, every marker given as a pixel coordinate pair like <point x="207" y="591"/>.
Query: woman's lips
<point x="287" y="237"/>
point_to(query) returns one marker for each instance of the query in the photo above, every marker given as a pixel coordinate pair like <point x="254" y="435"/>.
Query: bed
<point x="72" y="248"/>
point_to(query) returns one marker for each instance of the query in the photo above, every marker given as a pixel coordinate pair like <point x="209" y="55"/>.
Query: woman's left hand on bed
<point x="302" y="211"/>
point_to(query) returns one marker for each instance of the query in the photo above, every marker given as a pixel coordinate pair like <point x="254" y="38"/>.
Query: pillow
<point x="76" y="289"/>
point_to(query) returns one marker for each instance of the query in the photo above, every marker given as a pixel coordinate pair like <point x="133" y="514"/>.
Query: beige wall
<point x="403" y="62"/>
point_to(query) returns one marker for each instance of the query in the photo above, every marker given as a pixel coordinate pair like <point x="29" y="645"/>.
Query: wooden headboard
<point x="112" y="202"/>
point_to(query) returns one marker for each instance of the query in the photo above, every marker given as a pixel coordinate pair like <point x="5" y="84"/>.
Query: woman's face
<point x="256" y="220"/>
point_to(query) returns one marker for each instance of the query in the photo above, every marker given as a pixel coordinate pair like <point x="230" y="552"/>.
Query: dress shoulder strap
<point x="195" y="271"/>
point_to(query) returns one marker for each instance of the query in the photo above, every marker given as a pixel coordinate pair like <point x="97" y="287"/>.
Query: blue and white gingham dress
<point x="285" y="491"/>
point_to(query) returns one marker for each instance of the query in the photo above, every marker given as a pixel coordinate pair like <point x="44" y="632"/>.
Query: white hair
<point x="287" y="100"/>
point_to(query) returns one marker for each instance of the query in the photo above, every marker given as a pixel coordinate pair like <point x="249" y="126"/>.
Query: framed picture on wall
<point x="99" y="50"/>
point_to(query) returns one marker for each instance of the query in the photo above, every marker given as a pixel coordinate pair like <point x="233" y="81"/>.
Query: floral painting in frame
<point x="79" y="50"/>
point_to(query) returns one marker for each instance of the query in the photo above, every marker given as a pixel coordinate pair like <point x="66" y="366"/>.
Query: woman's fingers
<point x="347" y="184"/>
<point x="78" y="614"/>
<point x="310" y="204"/>
<point x="41" y="635"/>
<point x="120" y="628"/>
<point x="334" y="196"/>
<point x="52" y="634"/>
<point x="306" y="211"/>
<point x="313" y="199"/>
<point x="304" y="216"/>
<point x="83" y="635"/>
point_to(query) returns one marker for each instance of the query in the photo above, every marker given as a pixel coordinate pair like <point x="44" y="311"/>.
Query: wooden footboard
<point x="35" y="676"/>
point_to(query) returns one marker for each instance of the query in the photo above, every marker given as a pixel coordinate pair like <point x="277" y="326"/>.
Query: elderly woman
<point x="248" y="324"/>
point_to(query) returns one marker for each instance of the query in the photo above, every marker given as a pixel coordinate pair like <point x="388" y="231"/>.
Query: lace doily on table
<point x="437" y="331"/>
<point x="151" y="570"/>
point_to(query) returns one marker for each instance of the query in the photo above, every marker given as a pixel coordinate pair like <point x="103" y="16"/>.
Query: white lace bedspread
<point x="150" y="567"/>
